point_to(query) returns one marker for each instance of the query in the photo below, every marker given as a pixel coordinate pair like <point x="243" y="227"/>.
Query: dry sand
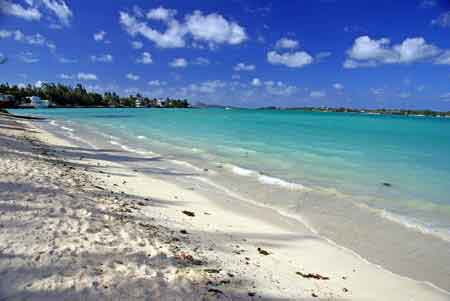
<point x="77" y="225"/>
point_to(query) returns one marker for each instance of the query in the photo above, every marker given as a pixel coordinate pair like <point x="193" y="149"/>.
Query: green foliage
<point x="78" y="96"/>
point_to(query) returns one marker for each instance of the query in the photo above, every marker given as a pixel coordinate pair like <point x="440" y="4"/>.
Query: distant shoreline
<point x="386" y="112"/>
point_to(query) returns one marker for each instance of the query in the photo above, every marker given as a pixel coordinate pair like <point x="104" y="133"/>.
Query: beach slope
<point x="77" y="224"/>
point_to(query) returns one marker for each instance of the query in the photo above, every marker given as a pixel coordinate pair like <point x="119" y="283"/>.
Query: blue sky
<point x="248" y="53"/>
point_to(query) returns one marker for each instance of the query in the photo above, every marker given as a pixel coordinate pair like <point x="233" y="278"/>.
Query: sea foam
<point x="279" y="182"/>
<point x="264" y="179"/>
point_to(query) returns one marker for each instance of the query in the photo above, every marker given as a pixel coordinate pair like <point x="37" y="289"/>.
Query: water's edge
<point x="337" y="227"/>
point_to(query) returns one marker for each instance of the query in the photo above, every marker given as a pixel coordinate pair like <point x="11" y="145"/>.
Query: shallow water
<point x="400" y="165"/>
<point x="326" y="170"/>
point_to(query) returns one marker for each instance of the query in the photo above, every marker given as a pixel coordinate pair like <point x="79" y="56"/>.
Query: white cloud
<point x="404" y="95"/>
<point x="38" y="84"/>
<point x="322" y="55"/>
<point x="367" y="52"/>
<point x="66" y="76"/>
<point x="178" y="63"/>
<point x="338" y="86"/>
<point x="443" y="59"/>
<point x="86" y="76"/>
<point x="443" y="20"/>
<point x="28" y="57"/>
<point x="445" y="96"/>
<point x="297" y="59"/>
<point x="99" y="36"/>
<point x="32" y="11"/>
<point x="317" y="94"/>
<point x="244" y="67"/>
<point x="287" y="43"/>
<point x="173" y="37"/>
<point x="428" y="4"/>
<point x="64" y="60"/>
<point x="201" y="61"/>
<point x="17" y="10"/>
<point x="60" y="9"/>
<point x="156" y="83"/>
<point x="36" y="39"/>
<point x="212" y="29"/>
<point x="132" y="76"/>
<point x="137" y="45"/>
<point x="377" y="91"/>
<point x="161" y="13"/>
<point x="146" y="58"/>
<point x="210" y="86"/>
<point x="256" y="82"/>
<point x="279" y="88"/>
<point x="104" y="58"/>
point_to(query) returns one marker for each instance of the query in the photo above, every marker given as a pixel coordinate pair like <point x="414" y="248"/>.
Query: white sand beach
<point x="76" y="224"/>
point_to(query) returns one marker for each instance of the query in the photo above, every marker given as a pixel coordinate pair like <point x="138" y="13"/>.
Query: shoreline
<point x="235" y="235"/>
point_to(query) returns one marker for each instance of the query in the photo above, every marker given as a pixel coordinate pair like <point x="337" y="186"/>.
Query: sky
<point x="253" y="53"/>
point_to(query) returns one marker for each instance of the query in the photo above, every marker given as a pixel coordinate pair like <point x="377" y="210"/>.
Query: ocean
<point x="376" y="185"/>
<point x="397" y="164"/>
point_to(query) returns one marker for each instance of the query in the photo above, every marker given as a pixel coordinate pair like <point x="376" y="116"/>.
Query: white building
<point x="37" y="102"/>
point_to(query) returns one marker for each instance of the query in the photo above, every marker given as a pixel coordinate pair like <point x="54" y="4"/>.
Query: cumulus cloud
<point x="244" y="67"/>
<point x="279" y="88"/>
<point x="443" y="20"/>
<point x="210" y="86"/>
<point x="27" y="57"/>
<point x="212" y="29"/>
<point x="287" y="43"/>
<point x="64" y="60"/>
<point x="86" y="76"/>
<point x="33" y="10"/>
<point x="145" y="58"/>
<point x="445" y="96"/>
<point x="17" y="10"/>
<point x="104" y="58"/>
<point x="66" y="76"/>
<point x="321" y="56"/>
<point x="317" y="94"/>
<point x="99" y="36"/>
<point x="428" y="3"/>
<point x="173" y="37"/>
<point x="137" y="45"/>
<point x="377" y="91"/>
<point x="367" y="52"/>
<point x="443" y="58"/>
<point x="132" y="76"/>
<point x="338" y="86"/>
<point x="201" y="61"/>
<point x="161" y="13"/>
<point x="178" y="63"/>
<point x="297" y="59"/>
<point x="36" y="39"/>
<point x="156" y="83"/>
<point x="256" y="82"/>
<point x="60" y="10"/>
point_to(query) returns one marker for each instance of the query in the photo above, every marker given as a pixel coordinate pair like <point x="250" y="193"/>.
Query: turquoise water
<point x="350" y="154"/>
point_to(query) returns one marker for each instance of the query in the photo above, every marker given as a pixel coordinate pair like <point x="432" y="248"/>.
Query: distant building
<point x="139" y="102"/>
<point x="38" y="103"/>
<point x="160" y="102"/>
